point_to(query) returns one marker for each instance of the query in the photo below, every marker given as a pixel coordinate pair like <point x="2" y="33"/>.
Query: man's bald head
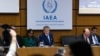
<point x="86" y="32"/>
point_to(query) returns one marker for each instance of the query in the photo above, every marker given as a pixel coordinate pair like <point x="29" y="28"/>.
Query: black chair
<point x="66" y="40"/>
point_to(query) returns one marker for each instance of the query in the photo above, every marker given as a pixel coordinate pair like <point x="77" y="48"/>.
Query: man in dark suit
<point x="46" y="38"/>
<point x="85" y="36"/>
<point x="95" y="37"/>
<point x="19" y="41"/>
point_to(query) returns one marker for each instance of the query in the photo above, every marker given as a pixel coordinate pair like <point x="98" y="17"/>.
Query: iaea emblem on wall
<point x="49" y="6"/>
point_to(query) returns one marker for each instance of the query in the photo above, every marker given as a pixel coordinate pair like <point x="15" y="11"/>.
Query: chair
<point x="66" y="40"/>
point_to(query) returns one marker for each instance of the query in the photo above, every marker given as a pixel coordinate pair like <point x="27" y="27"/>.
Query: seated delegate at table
<point x="95" y="37"/>
<point x="85" y="36"/>
<point x="29" y="40"/>
<point x="46" y="38"/>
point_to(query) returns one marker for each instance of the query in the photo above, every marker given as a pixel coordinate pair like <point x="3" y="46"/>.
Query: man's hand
<point x="12" y="33"/>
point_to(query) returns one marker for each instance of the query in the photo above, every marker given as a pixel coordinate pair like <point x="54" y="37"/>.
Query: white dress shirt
<point x="87" y="39"/>
<point x="95" y="41"/>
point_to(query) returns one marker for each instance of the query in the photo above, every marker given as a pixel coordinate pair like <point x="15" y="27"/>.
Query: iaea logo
<point x="49" y="6"/>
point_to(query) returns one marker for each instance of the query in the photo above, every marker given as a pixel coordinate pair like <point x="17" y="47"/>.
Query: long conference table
<point x="49" y="51"/>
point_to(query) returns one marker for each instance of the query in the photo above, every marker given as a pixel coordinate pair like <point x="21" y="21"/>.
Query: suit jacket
<point x="82" y="38"/>
<point x="1" y="42"/>
<point x="44" y="38"/>
<point x="19" y="41"/>
<point x="6" y="37"/>
<point x="98" y="38"/>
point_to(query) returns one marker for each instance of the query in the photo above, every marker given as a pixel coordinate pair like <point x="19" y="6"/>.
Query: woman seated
<point x="29" y="40"/>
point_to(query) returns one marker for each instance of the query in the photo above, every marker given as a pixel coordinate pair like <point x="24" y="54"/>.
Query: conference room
<point x="47" y="27"/>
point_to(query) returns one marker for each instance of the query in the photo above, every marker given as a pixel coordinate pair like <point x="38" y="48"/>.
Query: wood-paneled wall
<point x="79" y="21"/>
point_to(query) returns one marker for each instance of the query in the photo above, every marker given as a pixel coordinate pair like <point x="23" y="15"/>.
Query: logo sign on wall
<point x="57" y="14"/>
<point x="49" y="6"/>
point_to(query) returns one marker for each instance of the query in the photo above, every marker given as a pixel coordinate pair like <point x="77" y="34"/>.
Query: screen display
<point x="9" y="6"/>
<point x="89" y="6"/>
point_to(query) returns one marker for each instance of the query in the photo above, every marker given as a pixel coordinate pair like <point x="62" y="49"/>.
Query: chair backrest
<point x="66" y="40"/>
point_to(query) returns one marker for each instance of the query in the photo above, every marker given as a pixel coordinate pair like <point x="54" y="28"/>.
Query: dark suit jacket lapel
<point x="91" y="40"/>
<point x="83" y="37"/>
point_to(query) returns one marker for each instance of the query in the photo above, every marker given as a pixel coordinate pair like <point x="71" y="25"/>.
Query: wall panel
<point x="88" y="20"/>
<point x="12" y="19"/>
<point x="75" y="4"/>
<point x="23" y="18"/>
<point x="23" y="4"/>
<point x="22" y="31"/>
<point x="74" y="17"/>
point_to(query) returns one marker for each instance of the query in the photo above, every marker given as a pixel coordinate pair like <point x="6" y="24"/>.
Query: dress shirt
<point x="95" y="40"/>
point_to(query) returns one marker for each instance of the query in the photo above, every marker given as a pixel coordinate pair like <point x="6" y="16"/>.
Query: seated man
<point x="29" y="40"/>
<point x="46" y="38"/>
<point x="95" y="37"/>
<point x="85" y="36"/>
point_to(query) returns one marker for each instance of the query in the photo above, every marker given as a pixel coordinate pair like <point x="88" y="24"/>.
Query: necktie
<point x="48" y="39"/>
